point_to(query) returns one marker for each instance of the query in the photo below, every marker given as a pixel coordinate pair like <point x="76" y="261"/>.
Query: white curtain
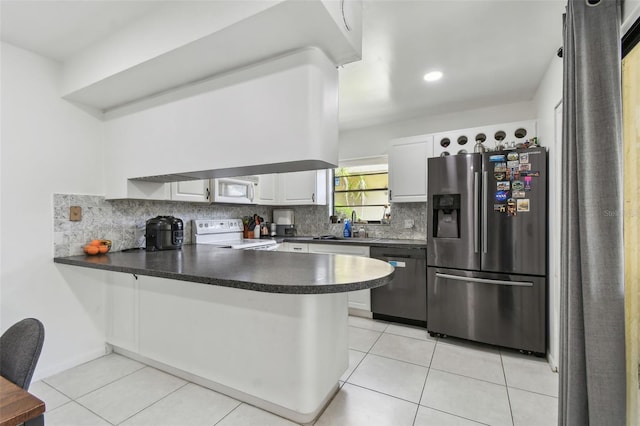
<point x="592" y="345"/>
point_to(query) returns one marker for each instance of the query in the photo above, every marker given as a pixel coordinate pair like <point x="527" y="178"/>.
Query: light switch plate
<point x="75" y="213"/>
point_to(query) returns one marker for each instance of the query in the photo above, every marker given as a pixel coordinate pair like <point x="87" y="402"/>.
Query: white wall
<point x="548" y="96"/>
<point x="48" y="146"/>
<point x="374" y="141"/>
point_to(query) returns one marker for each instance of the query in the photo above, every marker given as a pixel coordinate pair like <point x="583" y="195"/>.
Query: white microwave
<point x="241" y="190"/>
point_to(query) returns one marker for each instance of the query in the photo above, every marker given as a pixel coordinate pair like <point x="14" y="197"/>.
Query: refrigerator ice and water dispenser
<point x="446" y="211"/>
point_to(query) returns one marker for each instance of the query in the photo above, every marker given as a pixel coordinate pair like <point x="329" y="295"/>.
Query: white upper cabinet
<point x="267" y="193"/>
<point x="300" y="188"/>
<point x="295" y="188"/>
<point x="197" y="191"/>
<point x="408" y="168"/>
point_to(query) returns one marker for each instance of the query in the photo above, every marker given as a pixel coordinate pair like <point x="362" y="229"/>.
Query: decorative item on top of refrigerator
<point x="487" y="247"/>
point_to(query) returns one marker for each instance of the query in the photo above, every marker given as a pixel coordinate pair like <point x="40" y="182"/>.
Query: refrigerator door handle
<point x="476" y="206"/>
<point x="485" y="194"/>
<point x="484" y="280"/>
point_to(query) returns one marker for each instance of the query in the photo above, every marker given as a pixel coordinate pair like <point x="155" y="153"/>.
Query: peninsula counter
<point x="267" y="328"/>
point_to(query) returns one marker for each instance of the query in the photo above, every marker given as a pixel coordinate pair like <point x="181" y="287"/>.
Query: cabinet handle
<point x="390" y="197"/>
<point x="313" y="197"/>
<point x="208" y="194"/>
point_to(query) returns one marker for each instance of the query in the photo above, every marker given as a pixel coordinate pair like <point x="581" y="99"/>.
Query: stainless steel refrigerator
<point x="487" y="248"/>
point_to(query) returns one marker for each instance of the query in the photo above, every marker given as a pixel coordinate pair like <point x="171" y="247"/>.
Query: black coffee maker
<point x="164" y="233"/>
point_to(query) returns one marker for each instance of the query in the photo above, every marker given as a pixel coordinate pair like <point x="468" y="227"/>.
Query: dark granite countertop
<point x="372" y="242"/>
<point x="264" y="271"/>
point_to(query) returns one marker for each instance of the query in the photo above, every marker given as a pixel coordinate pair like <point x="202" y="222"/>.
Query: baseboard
<point x="300" y="418"/>
<point x="360" y="313"/>
<point x="552" y="362"/>
<point x="68" y="363"/>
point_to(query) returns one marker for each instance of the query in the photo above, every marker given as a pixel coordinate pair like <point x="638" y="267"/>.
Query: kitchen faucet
<point x="353" y="216"/>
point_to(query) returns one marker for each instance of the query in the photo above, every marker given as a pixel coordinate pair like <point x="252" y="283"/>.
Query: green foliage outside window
<point x="366" y="193"/>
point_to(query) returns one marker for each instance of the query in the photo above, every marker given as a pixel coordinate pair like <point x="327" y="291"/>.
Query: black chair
<point x="20" y="348"/>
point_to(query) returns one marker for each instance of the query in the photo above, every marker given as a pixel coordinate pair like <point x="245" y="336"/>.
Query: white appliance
<point x="240" y="190"/>
<point x="227" y="233"/>
<point x="285" y="222"/>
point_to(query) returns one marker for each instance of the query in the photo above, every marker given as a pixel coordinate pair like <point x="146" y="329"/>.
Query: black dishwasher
<point x="405" y="298"/>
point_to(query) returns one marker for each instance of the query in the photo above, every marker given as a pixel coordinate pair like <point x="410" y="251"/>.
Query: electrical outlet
<point x="408" y="223"/>
<point x="75" y="213"/>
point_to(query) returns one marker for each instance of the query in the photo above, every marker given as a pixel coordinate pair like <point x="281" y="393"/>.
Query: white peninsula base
<point x="281" y="352"/>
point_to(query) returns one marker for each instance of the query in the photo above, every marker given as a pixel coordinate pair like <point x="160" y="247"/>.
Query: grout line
<point x="227" y="415"/>
<point x="424" y="385"/>
<point x="534" y="392"/>
<point x="91" y="411"/>
<point x="154" y="402"/>
<point x="504" y="373"/>
<point x="59" y="406"/>
<point x="399" y="360"/>
<point x="386" y="394"/>
<point x="467" y="377"/>
<point x="455" y="415"/>
<point x="100" y="387"/>
<point x="354" y="368"/>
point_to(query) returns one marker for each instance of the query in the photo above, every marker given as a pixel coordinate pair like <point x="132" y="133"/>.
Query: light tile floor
<point x="398" y="375"/>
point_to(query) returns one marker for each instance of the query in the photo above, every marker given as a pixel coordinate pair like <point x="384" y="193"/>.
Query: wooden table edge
<point x="34" y="408"/>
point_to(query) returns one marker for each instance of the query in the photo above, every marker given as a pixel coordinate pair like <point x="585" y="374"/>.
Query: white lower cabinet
<point x="295" y="247"/>
<point x="359" y="301"/>
<point x="122" y="310"/>
<point x="242" y="343"/>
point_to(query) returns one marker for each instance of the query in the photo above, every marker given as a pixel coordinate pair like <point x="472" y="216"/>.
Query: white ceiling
<point x="491" y="51"/>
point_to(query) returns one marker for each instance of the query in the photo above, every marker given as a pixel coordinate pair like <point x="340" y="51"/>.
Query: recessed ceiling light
<point x="433" y="76"/>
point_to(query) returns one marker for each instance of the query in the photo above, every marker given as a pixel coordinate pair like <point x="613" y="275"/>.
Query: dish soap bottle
<point x="347" y="229"/>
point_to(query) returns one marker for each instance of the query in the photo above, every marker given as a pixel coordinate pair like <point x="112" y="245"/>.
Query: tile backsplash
<point x="123" y="221"/>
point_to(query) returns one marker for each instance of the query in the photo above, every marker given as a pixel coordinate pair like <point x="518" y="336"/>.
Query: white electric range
<point x="228" y="233"/>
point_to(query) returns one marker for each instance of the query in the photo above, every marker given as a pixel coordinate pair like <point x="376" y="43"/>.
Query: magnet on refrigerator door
<point x="502" y="195"/>
<point x="524" y="167"/>
<point x="512" y="156"/>
<point x="511" y="207"/>
<point x="503" y="186"/>
<point x="523" y="205"/>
